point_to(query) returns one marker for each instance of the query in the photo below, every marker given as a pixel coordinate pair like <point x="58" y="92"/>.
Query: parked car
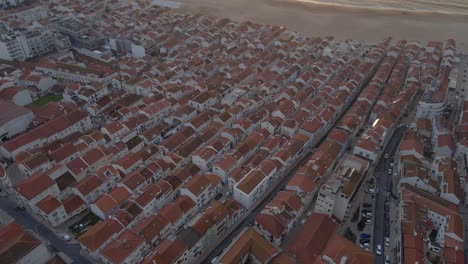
<point x="367" y="214"/>
<point x="378" y="250"/>
<point x="387" y="241"/>
<point x="364" y="247"/>
<point x="368" y="221"/>
<point x="218" y="196"/>
<point x="364" y="235"/>
<point x="387" y="259"/>
<point x="364" y="240"/>
<point x="386" y="155"/>
<point x="390" y="171"/>
<point x="370" y="190"/>
<point x="366" y="205"/>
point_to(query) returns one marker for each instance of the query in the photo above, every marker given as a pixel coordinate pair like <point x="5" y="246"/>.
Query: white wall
<point x="40" y="254"/>
<point x="22" y="98"/>
<point x="137" y="51"/>
<point x="18" y="125"/>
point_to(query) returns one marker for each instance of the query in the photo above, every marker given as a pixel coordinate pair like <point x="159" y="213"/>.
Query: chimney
<point x="126" y="244"/>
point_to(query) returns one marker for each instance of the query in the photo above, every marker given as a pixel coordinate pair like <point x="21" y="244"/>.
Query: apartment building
<point x="430" y="227"/>
<point x="80" y="34"/>
<point x="22" y="44"/>
<point x="10" y="3"/>
<point x="336" y="194"/>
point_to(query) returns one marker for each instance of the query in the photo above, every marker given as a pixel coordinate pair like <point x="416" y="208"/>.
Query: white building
<point x="199" y="189"/>
<point x="10" y="3"/>
<point x="25" y="43"/>
<point x="250" y="188"/>
<point x="13" y="119"/>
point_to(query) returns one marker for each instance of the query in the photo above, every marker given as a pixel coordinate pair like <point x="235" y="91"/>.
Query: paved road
<point x="463" y="210"/>
<point x="23" y="218"/>
<point x="383" y="184"/>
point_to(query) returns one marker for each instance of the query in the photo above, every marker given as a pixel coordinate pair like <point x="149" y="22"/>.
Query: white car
<point x="390" y="171"/>
<point x="370" y="190"/>
<point x="378" y="250"/>
<point x="368" y="221"/>
<point x="367" y="214"/>
<point x="364" y="246"/>
<point x="387" y="259"/>
<point x="387" y="241"/>
<point x="386" y="155"/>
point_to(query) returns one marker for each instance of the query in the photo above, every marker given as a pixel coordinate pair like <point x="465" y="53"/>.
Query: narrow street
<point x="383" y="192"/>
<point x="29" y="222"/>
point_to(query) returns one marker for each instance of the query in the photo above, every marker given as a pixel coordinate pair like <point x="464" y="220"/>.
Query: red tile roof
<point x="339" y="247"/>
<point x="122" y="246"/>
<point x="98" y="234"/>
<point x="48" y="204"/>
<point x="303" y="182"/>
<point x="150" y="227"/>
<point x="34" y="186"/>
<point x="72" y="203"/>
<point x="313" y="238"/>
<point x="89" y="184"/>
<point x="129" y="160"/>
<point x="15" y="243"/>
<point x="168" y="251"/>
<point x="249" y="242"/>
<point x="197" y="184"/>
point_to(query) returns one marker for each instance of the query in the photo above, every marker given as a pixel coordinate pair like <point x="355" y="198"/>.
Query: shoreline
<point x="317" y="20"/>
<point x="319" y="6"/>
<point x="383" y="9"/>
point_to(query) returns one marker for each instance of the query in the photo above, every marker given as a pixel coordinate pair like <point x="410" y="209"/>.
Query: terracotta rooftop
<point x="48" y="204"/>
<point x="121" y="247"/>
<point x="197" y="184"/>
<point x="34" y="186"/>
<point x="15" y="243"/>
<point x="98" y="234"/>
<point x="339" y="248"/>
<point x="167" y="252"/>
<point x="249" y="242"/>
<point x="313" y="238"/>
<point x="72" y="203"/>
<point x="150" y="227"/>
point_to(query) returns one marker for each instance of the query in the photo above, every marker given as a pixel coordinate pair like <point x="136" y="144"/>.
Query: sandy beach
<point x="342" y="22"/>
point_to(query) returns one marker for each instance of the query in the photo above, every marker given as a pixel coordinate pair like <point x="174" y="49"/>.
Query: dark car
<point x="20" y="208"/>
<point x="366" y="205"/>
<point x="218" y="196"/>
<point x="364" y="235"/>
<point x="364" y="240"/>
